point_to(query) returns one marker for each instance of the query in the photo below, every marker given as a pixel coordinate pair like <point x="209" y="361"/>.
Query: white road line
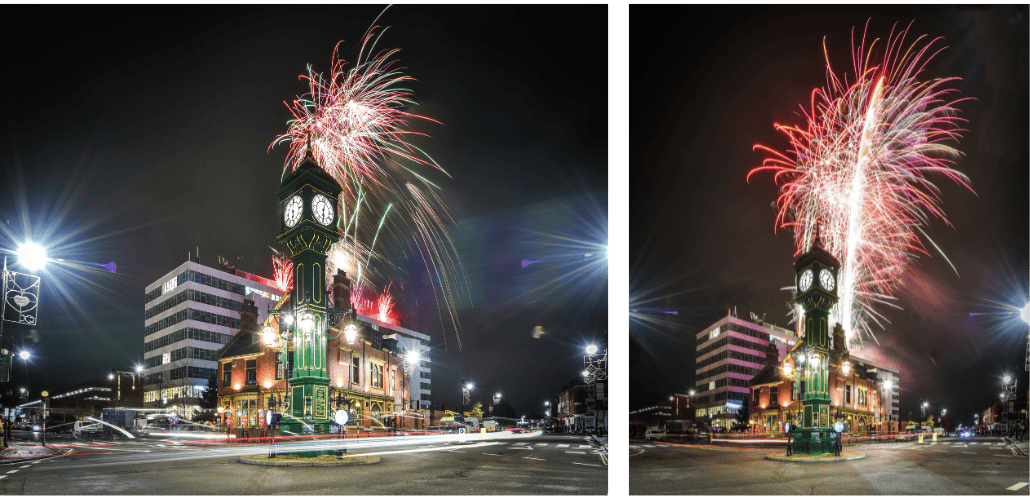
<point x="531" y="458"/>
<point x="37" y="461"/>
<point x="1" y="477"/>
<point x="1017" y="486"/>
<point x="12" y="471"/>
<point x="562" y="446"/>
<point x="492" y="454"/>
<point x="24" y="466"/>
<point x="542" y="444"/>
<point x="577" y="452"/>
<point x="577" y="463"/>
<point x="584" y="446"/>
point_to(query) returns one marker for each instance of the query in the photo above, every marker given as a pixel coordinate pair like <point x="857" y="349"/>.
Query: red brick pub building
<point x="369" y="372"/>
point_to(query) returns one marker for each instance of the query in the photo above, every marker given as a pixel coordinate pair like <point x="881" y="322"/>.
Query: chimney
<point x="840" y="343"/>
<point x="248" y="315"/>
<point x="772" y="354"/>
<point x="341" y="290"/>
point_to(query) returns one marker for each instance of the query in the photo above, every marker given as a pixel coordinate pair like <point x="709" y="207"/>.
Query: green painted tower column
<point x="816" y="272"/>
<point x="307" y="199"/>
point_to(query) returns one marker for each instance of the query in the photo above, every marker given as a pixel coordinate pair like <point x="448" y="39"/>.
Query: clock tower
<point x="816" y="275"/>
<point x="308" y="218"/>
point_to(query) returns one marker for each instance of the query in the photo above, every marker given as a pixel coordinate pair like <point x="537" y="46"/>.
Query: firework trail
<point x="859" y="169"/>
<point x="356" y="124"/>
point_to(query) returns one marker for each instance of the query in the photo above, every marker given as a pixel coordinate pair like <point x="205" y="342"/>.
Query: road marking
<point x="12" y="471"/>
<point x="542" y="444"/>
<point x="577" y="452"/>
<point x="1" y="477"/>
<point x="492" y="454"/>
<point x="37" y="461"/>
<point x="531" y="458"/>
<point x="577" y="463"/>
<point x="562" y="446"/>
<point x="1017" y="486"/>
<point x="584" y="446"/>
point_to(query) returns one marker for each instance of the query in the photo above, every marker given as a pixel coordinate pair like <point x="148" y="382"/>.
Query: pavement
<point x="495" y="463"/>
<point x="981" y="466"/>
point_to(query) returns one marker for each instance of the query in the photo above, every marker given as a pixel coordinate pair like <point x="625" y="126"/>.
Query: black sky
<point x="137" y="138"/>
<point x="708" y="82"/>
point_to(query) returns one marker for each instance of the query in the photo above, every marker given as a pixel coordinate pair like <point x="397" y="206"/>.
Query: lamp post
<point x="595" y="366"/>
<point x="342" y="403"/>
<point x="466" y="397"/>
<point x="1008" y="395"/>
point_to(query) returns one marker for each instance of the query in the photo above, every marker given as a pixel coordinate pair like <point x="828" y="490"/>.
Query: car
<point x="36" y="427"/>
<point x="966" y="433"/>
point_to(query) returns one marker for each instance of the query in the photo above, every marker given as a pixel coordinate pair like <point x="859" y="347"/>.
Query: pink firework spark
<point x="859" y="168"/>
<point x="282" y="271"/>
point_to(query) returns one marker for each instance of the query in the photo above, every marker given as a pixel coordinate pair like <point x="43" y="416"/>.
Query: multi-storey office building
<point x="190" y="313"/>
<point x="729" y="353"/>
<point x="408" y="343"/>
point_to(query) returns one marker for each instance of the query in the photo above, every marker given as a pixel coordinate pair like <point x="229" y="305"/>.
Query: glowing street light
<point x="24" y="355"/>
<point x="351" y="332"/>
<point x="469" y="386"/>
<point x="307" y="322"/>
<point x="591" y="349"/>
<point x="32" y="255"/>
<point x="412" y="358"/>
<point x="268" y="336"/>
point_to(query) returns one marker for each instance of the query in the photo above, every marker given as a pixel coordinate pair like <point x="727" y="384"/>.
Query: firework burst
<point x="860" y="170"/>
<point x="357" y="126"/>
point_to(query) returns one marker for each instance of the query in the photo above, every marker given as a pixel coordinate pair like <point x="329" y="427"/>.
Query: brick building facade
<point x="369" y="372"/>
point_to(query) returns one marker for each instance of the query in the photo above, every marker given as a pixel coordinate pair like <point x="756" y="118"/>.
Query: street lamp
<point x="351" y="332"/>
<point x="466" y="396"/>
<point x="31" y="255"/>
<point x="591" y="349"/>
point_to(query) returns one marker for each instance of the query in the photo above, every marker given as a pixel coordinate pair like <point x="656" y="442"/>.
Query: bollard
<point x="920" y="438"/>
<point x="935" y="437"/>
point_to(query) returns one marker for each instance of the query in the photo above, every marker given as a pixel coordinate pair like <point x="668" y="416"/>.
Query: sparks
<point x="359" y="131"/>
<point x="859" y="169"/>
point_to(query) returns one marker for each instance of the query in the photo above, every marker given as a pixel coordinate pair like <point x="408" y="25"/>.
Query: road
<point x="982" y="466"/>
<point x="496" y="463"/>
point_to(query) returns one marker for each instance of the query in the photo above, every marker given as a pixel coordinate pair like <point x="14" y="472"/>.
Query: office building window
<point x="355" y="370"/>
<point x="227" y="375"/>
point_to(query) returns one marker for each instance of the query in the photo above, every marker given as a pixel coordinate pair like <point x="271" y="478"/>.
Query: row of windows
<point x="191" y="372"/>
<point x="752" y="358"/>
<point x="202" y="316"/>
<point x="747" y="344"/>
<point x="187" y="333"/>
<point x="188" y="352"/>
<point x="203" y="279"/>
<point x="713" y="359"/>
<point x="195" y="296"/>
<point x="711" y="347"/>
<point x="728" y="367"/>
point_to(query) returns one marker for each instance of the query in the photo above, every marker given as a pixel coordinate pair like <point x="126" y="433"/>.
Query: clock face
<point x="323" y="209"/>
<point x="805" y="282"/>
<point x="826" y="280"/>
<point x="292" y="213"/>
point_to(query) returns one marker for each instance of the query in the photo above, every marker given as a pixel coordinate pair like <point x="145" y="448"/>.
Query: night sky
<point x="708" y="82"/>
<point x="144" y="136"/>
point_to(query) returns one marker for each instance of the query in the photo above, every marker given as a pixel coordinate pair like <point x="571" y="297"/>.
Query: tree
<point x="743" y="417"/>
<point x="948" y="424"/>
<point x="476" y="412"/>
